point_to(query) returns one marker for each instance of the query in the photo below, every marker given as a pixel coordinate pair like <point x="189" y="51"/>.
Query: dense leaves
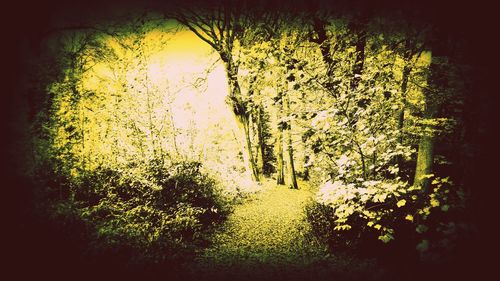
<point x="155" y="217"/>
<point x="346" y="216"/>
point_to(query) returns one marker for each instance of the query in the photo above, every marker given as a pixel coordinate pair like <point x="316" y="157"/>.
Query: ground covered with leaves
<point x="268" y="237"/>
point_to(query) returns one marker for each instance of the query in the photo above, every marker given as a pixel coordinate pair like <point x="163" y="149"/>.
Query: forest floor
<point x="268" y="237"/>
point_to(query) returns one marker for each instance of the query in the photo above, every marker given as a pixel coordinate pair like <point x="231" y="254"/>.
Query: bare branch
<point x="184" y="21"/>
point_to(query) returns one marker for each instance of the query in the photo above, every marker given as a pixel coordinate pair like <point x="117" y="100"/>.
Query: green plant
<point x="158" y="216"/>
<point x="352" y="215"/>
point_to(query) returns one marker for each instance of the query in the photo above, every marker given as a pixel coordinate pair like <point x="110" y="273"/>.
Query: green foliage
<point x="155" y="217"/>
<point x="353" y="216"/>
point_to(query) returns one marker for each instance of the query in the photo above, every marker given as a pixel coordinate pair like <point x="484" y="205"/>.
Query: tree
<point x="434" y="97"/>
<point x="220" y="26"/>
<point x="280" y="168"/>
<point x="358" y="28"/>
<point x="292" y="179"/>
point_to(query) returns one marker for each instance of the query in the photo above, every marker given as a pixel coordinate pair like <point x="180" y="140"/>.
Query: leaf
<point x="342" y="227"/>
<point x="401" y="203"/>
<point x="426" y="176"/>
<point x="386" y="238"/>
<point x="409" y="217"/>
<point x="445" y="208"/>
<point x="379" y="198"/>
<point x="435" y="202"/>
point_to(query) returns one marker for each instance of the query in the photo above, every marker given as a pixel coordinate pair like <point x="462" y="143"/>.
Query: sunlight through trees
<point x="151" y="135"/>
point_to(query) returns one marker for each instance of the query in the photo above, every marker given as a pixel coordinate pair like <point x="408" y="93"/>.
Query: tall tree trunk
<point x="359" y="28"/>
<point x="241" y="113"/>
<point x="280" y="169"/>
<point x="252" y="166"/>
<point x="433" y="96"/>
<point x="425" y="156"/>
<point x="321" y="38"/>
<point x="407" y="57"/>
<point x="292" y="179"/>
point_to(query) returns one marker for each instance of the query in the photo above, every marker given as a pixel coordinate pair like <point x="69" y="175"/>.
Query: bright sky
<point x="175" y="62"/>
<point x="185" y="58"/>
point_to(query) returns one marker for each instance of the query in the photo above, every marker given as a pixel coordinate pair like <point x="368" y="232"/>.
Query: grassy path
<point x="267" y="237"/>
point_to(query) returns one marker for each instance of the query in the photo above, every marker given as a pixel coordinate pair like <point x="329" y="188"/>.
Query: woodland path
<point x="267" y="237"/>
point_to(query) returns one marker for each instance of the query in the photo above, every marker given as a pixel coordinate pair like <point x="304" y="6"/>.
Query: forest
<point x="250" y="140"/>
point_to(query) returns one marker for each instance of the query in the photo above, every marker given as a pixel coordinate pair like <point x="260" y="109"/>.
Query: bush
<point x="143" y="215"/>
<point x="322" y="220"/>
<point x="364" y="217"/>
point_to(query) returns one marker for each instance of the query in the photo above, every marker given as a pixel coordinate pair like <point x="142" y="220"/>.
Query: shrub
<point x="150" y="214"/>
<point x="323" y="224"/>
<point x="370" y="214"/>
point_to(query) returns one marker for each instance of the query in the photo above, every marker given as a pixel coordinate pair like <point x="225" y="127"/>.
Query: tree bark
<point x="425" y="159"/>
<point x="240" y="111"/>
<point x="325" y="47"/>
<point x="292" y="179"/>
<point x="359" y="29"/>
<point x="290" y="164"/>
<point x="425" y="156"/>
<point x="280" y="169"/>
<point x="407" y="56"/>
<point x="252" y="166"/>
<point x="433" y="96"/>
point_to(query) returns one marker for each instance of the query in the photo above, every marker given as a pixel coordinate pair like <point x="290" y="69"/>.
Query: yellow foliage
<point x="434" y="202"/>
<point x="401" y="203"/>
